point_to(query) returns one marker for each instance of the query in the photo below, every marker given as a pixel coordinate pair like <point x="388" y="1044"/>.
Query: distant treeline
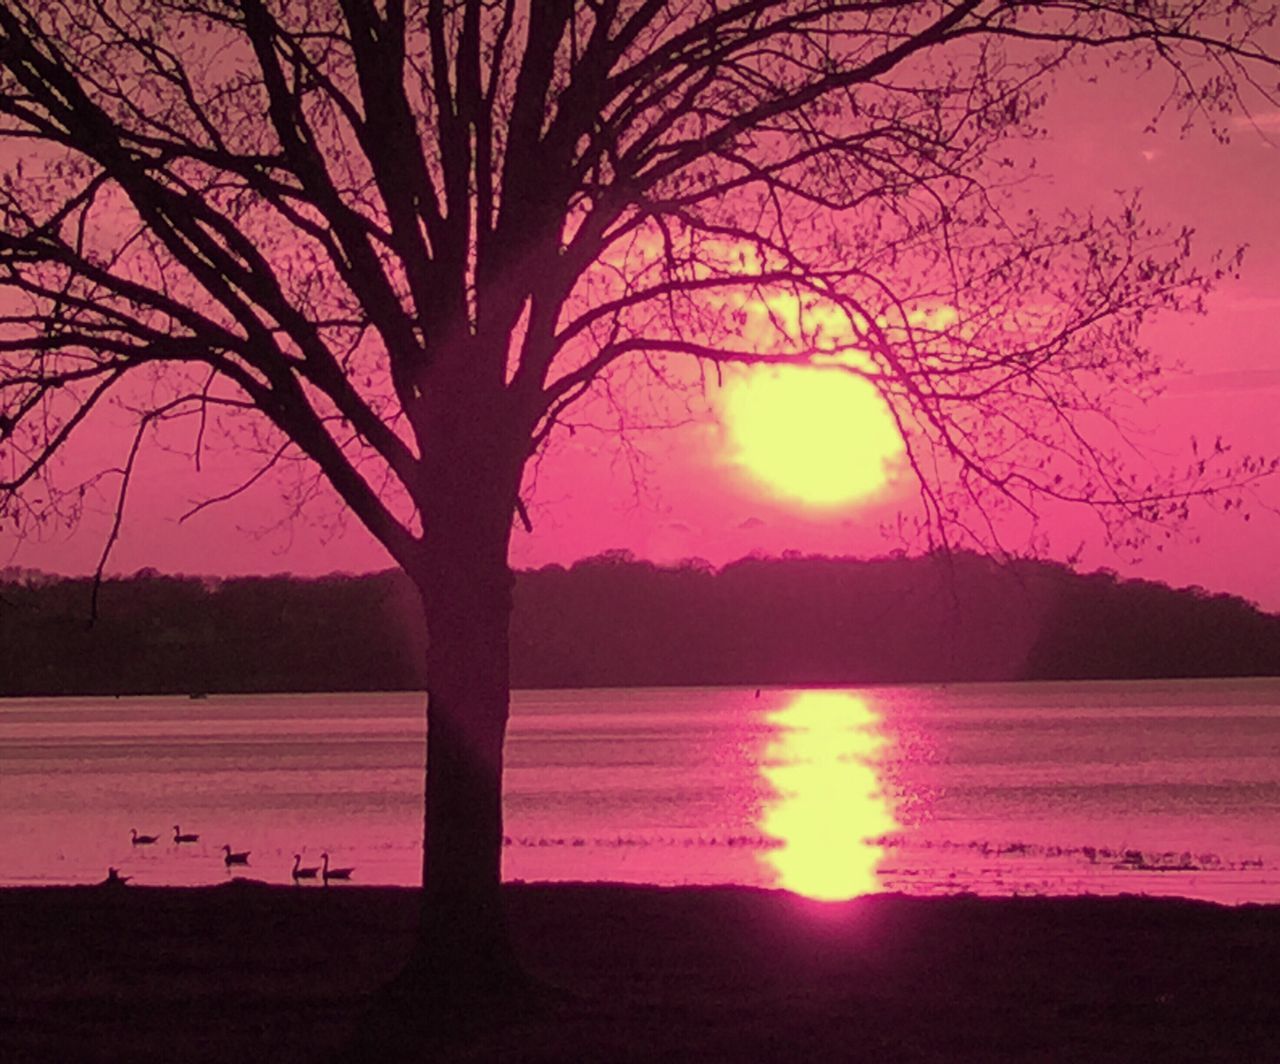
<point x="612" y="620"/>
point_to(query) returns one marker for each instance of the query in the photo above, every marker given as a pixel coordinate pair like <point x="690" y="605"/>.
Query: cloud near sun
<point x="812" y="433"/>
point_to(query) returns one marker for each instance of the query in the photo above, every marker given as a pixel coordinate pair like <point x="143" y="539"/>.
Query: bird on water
<point x="114" y="879"/>
<point x="178" y="837"/>
<point x="300" y="873"/>
<point x="334" y="873"/>
<point x="143" y="840"/>
<point x="233" y="858"/>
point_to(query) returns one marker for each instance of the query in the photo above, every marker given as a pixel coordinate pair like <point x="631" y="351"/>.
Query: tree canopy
<point x="374" y="225"/>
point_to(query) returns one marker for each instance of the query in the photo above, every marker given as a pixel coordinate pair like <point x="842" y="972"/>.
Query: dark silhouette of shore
<point x="248" y="973"/>
<point x="614" y="621"/>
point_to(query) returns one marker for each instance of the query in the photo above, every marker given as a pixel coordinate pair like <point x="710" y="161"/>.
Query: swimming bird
<point x="114" y="878"/>
<point x="302" y="873"/>
<point x="143" y="840"/>
<point x="178" y="837"/>
<point x="335" y="873"/>
<point x="234" y="858"/>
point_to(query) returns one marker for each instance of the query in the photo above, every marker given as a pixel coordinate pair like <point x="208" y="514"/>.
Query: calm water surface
<point x="1157" y="787"/>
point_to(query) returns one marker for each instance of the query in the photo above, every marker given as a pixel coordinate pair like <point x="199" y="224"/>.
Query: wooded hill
<point x="612" y="620"/>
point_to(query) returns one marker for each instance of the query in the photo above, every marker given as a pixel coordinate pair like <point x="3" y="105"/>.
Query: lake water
<point x="1155" y="787"/>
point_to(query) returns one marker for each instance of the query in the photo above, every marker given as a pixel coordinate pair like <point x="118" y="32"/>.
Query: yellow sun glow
<point x="829" y="806"/>
<point x="817" y="435"/>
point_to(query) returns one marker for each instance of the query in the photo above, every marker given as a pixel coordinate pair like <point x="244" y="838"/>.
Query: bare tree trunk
<point x="463" y="946"/>
<point x="465" y="582"/>
<point x="463" y="974"/>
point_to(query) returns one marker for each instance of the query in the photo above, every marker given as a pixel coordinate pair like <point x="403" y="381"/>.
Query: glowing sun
<point x="816" y="435"/>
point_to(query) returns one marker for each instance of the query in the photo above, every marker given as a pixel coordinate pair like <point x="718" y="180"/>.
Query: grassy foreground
<point x="246" y="973"/>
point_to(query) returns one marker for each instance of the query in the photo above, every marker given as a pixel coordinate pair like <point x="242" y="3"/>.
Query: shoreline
<point x="250" y="972"/>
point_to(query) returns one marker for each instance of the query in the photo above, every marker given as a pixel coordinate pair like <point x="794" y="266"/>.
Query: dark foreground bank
<point x="245" y="973"/>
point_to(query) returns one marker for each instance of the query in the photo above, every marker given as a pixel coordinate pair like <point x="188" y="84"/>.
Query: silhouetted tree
<point x="400" y="240"/>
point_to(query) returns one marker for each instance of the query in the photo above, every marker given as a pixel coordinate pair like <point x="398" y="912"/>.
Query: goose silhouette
<point x="334" y="873"/>
<point x="302" y="873"/>
<point x="114" y="878"/>
<point x="235" y="858"/>
<point x="143" y="840"/>
<point x="179" y="838"/>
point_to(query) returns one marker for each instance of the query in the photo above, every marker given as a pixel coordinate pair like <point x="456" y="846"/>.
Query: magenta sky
<point x="685" y="500"/>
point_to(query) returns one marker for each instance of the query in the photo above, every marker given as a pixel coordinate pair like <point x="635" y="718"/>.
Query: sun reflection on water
<point x="829" y="805"/>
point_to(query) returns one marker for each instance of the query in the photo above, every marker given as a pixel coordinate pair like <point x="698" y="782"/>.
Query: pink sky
<point x="687" y="501"/>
